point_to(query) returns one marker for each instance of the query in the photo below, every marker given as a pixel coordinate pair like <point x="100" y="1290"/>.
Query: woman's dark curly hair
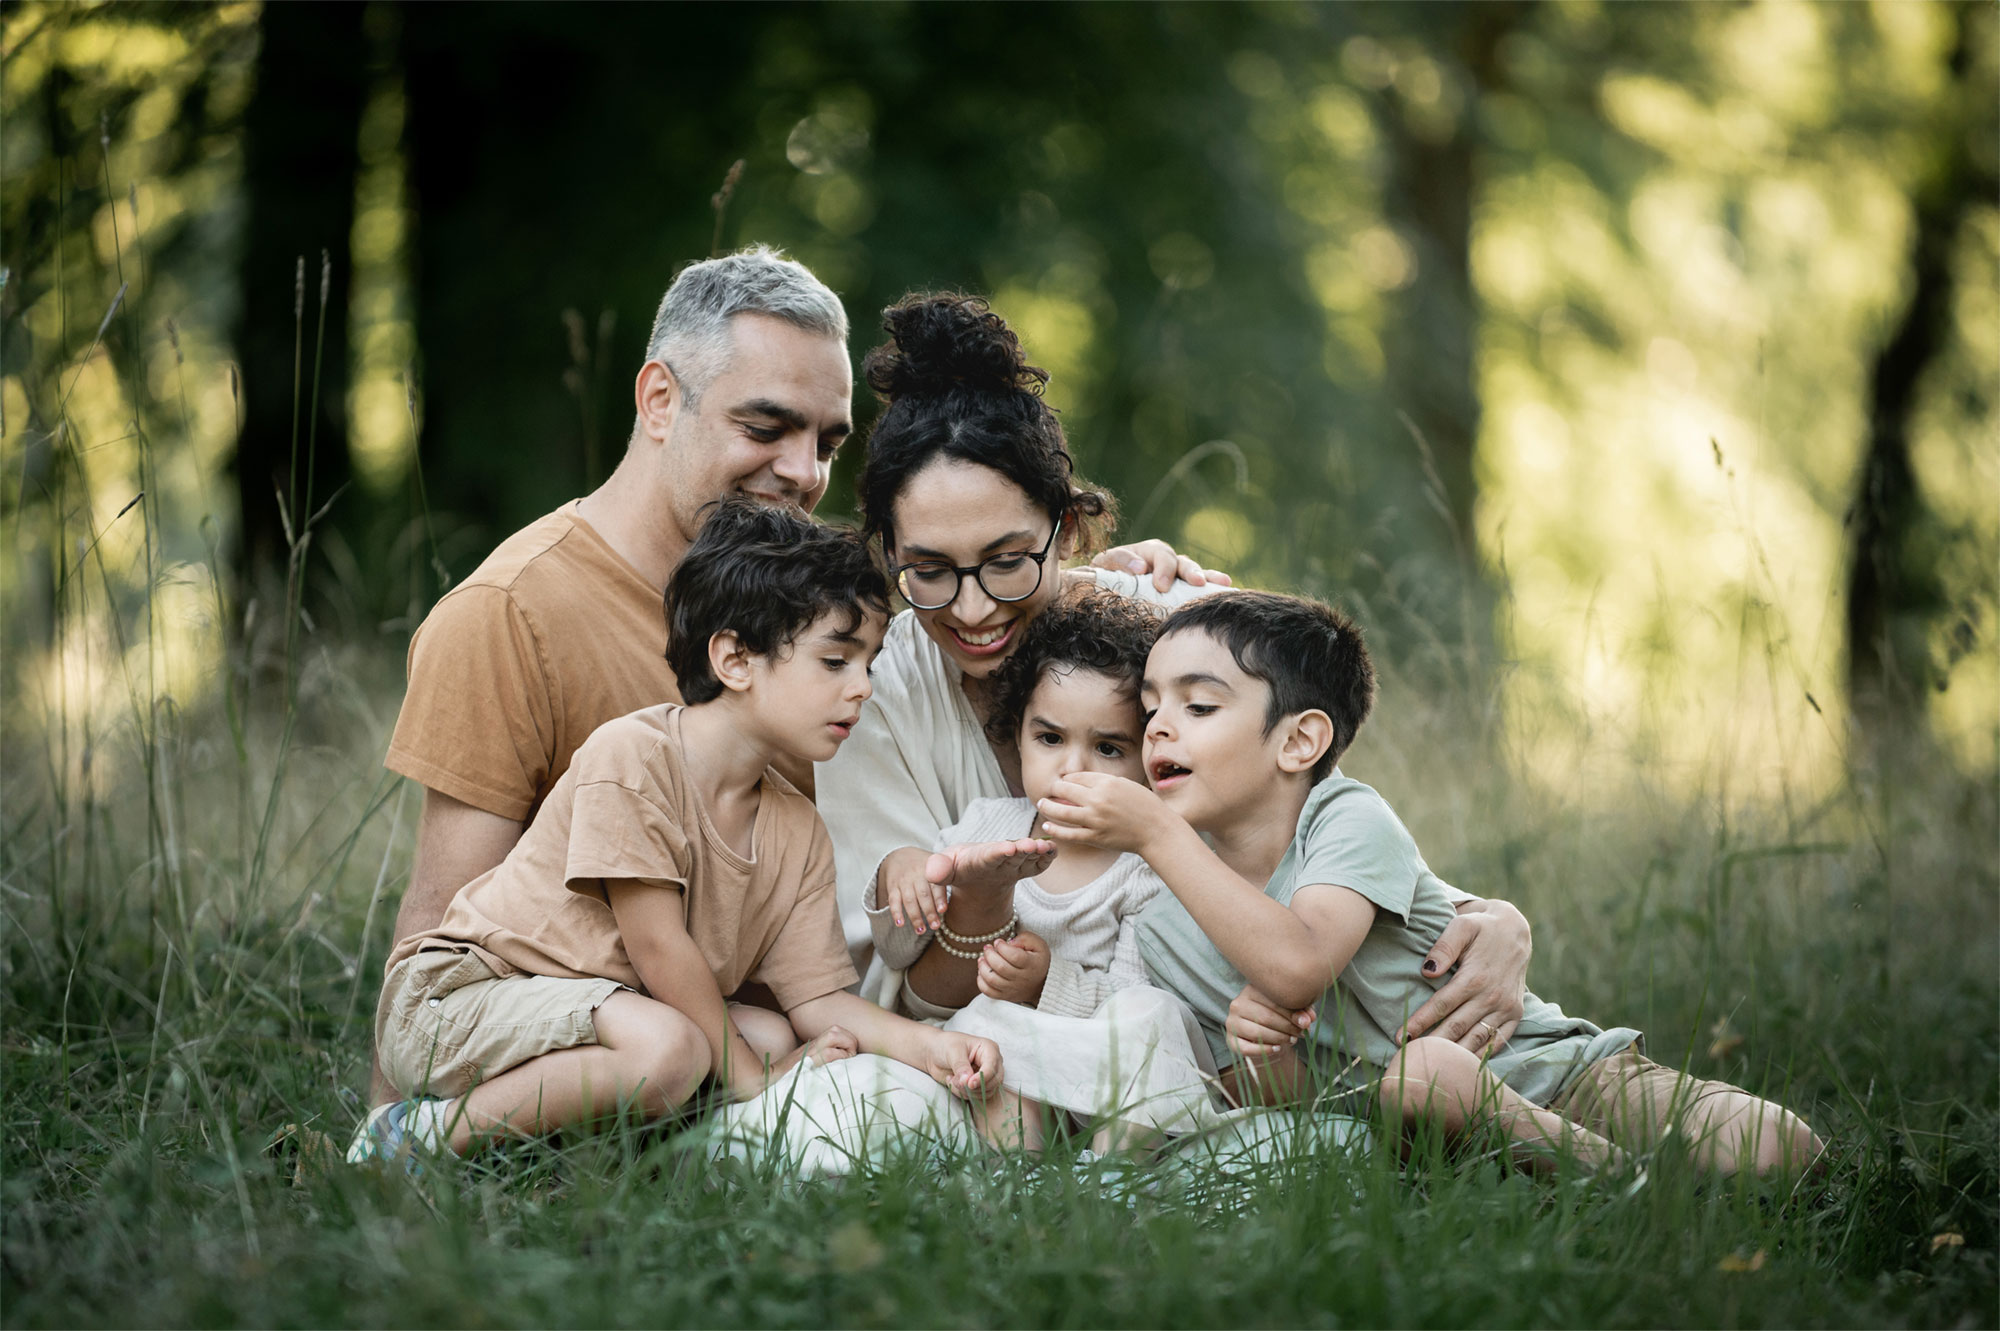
<point x="765" y="573"/>
<point x="955" y="384"/>
<point x="1087" y="629"/>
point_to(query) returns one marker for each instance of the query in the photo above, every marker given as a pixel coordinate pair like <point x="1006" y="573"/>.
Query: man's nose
<point x="797" y="463"/>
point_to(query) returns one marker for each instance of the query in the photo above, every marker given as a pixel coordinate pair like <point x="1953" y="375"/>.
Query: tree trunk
<point x="1893" y="592"/>
<point x="1432" y="331"/>
<point x="300" y="146"/>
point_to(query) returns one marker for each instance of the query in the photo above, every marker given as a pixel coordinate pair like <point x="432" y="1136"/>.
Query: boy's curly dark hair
<point x="765" y="573"/>
<point x="1087" y="629"/>
<point x="1310" y="655"/>
<point x="956" y="384"/>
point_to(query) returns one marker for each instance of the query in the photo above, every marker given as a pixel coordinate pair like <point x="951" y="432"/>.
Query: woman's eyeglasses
<point x="1014" y="576"/>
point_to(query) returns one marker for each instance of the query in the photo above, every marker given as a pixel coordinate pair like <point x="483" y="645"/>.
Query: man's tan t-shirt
<point x="626" y="809"/>
<point x="553" y="635"/>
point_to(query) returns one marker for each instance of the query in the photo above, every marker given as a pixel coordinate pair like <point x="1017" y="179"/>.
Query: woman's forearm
<point x="951" y="982"/>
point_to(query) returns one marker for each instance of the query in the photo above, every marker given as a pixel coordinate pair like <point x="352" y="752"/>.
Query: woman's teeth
<point x="986" y="639"/>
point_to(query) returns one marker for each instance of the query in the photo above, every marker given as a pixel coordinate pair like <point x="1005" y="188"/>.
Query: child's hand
<point x="831" y="1045"/>
<point x="1258" y="1027"/>
<point x="990" y="866"/>
<point x="1098" y="809"/>
<point x="1013" y="970"/>
<point x="966" y="1065"/>
<point x="912" y="897"/>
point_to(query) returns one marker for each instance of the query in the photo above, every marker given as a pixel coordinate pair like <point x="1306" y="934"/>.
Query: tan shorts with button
<point x="446" y="1022"/>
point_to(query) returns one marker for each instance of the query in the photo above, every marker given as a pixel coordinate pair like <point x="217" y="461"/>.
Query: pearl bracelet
<point x="1004" y="931"/>
<point x="945" y="938"/>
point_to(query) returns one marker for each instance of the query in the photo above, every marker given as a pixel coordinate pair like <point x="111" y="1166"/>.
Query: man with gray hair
<point x="746" y="390"/>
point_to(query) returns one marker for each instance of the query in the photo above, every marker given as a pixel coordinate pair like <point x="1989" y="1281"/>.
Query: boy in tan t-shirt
<point x="669" y="866"/>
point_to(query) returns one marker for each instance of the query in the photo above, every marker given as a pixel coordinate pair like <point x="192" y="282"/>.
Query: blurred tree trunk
<point x="1893" y="591"/>
<point x="1429" y="343"/>
<point x="300" y="146"/>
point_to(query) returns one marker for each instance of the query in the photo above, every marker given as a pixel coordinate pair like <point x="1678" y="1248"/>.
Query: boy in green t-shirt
<point x="1285" y="874"/>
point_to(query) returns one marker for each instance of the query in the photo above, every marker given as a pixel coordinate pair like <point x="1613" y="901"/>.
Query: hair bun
<point x="944" y="342"/>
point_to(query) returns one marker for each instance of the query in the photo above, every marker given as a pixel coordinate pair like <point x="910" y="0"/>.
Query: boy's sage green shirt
<point x="1349" y="837"/>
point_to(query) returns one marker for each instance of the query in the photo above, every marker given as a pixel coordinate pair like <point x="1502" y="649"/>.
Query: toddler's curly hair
<point x="1087" y="629"/>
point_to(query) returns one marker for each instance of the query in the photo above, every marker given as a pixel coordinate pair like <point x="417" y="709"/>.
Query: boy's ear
<point x="1307" y="737"/>
<point x="730" y="660"/>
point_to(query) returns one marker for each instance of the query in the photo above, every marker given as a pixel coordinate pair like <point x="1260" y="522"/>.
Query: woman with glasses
<point x="969" y="485"/>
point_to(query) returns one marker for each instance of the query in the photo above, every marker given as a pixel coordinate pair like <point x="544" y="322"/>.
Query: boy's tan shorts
<point x="1629" y="1090"/>
<point x="446" y="1022"/>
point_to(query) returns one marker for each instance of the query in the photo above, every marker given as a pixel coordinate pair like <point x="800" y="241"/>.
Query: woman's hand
<point x="1490" y="943"/>
<point x="1013" y="970"/>
<point x="1158" y="558"/>
<point x="1099" y="809"/>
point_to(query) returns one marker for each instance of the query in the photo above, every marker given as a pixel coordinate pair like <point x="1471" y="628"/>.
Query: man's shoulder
<point x="545" y="551"/>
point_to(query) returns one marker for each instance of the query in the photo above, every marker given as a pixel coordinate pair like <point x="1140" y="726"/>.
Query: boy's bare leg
<point x="1437" y="1081"/>
<point x="769" y="1034"/>
<point x="1008" y="1121"/>
<point x="1727" y="1129"/>
<point x="647" y="1055"/>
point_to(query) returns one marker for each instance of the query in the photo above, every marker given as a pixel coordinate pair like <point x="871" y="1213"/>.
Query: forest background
<point x="1630" y="370"/>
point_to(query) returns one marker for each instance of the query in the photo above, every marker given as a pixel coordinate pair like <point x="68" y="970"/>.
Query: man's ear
<point x="730" y="660"/>
<point x="1307" y="738"/>
<point x="657" y="395"/>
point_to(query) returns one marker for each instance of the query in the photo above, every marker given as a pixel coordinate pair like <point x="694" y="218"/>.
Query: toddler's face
<point x="1078" y="721"/>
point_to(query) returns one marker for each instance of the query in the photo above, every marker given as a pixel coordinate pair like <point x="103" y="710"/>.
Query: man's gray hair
<point x="691" y="333"/>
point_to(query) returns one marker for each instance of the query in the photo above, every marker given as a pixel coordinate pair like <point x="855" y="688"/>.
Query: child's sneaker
<point x="398" y="1131"/>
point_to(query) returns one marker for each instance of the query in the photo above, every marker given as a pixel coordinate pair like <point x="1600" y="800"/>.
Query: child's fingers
<point x="1002" y="966"/>
<point x="1261" y="1030"/>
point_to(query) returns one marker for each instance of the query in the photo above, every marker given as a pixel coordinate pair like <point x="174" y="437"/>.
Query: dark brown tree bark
<point x="1893" y="592"/>
<point x="1429" y="196"/>
<point x="300" y="149"/>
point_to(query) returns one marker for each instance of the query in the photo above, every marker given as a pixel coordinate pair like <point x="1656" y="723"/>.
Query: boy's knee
<point x="1425" y="1069"/>
<point x="1785" y="1143"/>
<point x="769" y="1034"/>
<point x="668" y="1062"/>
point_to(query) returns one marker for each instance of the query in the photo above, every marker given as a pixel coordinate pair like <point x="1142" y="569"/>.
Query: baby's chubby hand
<point x="1013" y="970"/>
<point x="1098" y="809"/>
